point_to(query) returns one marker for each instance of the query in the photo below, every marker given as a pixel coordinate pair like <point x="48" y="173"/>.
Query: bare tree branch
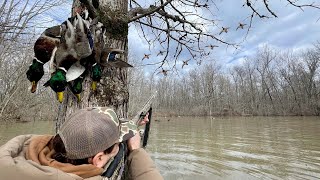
<point x="313" y="5"/>
<point x="144" y="12"/>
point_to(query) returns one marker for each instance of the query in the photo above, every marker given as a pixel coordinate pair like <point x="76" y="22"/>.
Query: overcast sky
<point x="293" y="29"/>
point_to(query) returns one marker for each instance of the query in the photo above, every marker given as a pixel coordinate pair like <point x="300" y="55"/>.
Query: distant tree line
<point x="271" y="83"/>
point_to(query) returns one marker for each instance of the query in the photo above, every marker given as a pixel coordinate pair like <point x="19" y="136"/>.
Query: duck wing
<point x="110" y="57"/>
<point x="119" y="64"/>
<point x="75" y="71"/>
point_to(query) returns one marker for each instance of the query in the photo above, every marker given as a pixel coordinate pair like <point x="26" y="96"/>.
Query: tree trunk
<point x="112" y="90"/>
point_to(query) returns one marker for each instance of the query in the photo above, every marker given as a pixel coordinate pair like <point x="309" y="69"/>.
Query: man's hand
<point x="145" y="120"/>
<point x="134" y="142"/>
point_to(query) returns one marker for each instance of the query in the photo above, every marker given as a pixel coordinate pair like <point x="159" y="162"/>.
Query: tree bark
<point x="112" y="90"/>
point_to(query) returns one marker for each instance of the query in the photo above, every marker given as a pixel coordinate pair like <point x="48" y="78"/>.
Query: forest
<point x="271" y="83"/>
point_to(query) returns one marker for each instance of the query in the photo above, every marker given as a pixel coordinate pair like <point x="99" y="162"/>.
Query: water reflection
<point x="237" y="148"/>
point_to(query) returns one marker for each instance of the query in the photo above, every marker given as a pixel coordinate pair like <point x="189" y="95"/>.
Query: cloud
<point x="293" y="29"/>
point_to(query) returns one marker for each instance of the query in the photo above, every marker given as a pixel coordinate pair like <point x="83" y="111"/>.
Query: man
<point x="91" y="144"/>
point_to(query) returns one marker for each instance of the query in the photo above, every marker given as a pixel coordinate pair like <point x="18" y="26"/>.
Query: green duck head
<point x="96" y="75"/>
<point x="35" y="73"/>
<point x="58" y="83"/>
<point x="76" y="87"/>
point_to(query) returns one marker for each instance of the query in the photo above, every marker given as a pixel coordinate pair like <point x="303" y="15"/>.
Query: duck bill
<point x="60" y="96"/>
<point x="34" y="86"/>
<point x="94" y="85"/>
<point x="78" y="97"/>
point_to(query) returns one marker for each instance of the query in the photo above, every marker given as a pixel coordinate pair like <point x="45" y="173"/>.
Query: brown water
<point x="237" y="148"/>
<point x="223" y="148"/>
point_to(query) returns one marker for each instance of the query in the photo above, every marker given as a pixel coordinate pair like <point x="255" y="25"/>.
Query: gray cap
<point x="91" y="130"/>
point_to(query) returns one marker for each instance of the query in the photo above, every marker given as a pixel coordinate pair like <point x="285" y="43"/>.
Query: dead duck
<point x="35" y="73"/>
<point x="106" y="56"/>
<point x="103" y="56"/>
<point x="96" y="74"/>
<point x="99" y="41"/>
<point x="75" y="45"/>
<point x="83" y="40"/>
<point x="58" y="83"/>
<point x="84" y="45"/>
<point x="65" y="57"/>
<point x="111" y="57"/>
<point x="76" y="87"/>
<point x="44" y="50"/>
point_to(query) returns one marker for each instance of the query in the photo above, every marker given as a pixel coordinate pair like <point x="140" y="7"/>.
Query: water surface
<point x="223" y="148"/>
<point x="237" y="148"/>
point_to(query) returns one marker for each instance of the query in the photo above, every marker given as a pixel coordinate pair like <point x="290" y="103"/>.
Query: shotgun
<point x="147" y="129"/>
<point x="140" y="115"/>
<point x="143" y="111"/>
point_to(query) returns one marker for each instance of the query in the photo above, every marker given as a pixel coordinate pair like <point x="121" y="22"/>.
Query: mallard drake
<point x="106" y="56"/>
<point x="83" y="47"/>
<point x="76" y="87"/>
<point x="65" y="57"/>
<point x="96" y="69"/>
<point x="35" y="73"/>
<point x="96" y="74"/>
<point x="73" y="47"/>
<point x="58" y="82"/>
<point x="44" y="50"/>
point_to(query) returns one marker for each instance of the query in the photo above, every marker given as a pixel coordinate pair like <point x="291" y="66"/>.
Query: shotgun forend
<point x="140" y="114"/>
